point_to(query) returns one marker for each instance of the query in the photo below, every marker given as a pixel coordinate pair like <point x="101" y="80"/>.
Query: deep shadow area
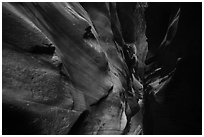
<point x="18" y="121"/>
<point x="76" y="128"/>
<point x="181" y="111"/>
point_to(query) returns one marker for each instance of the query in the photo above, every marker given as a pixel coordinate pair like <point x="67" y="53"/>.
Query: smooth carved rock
<point x="86" y="68"/>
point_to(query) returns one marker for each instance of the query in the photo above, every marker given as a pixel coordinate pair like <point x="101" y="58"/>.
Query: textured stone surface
<point x="86" y="73"/>
<point x="85" y="68"/>
<point x="92" y="75"/>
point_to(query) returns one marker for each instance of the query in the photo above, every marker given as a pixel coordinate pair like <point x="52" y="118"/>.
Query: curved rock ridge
<point x="85" y="70"/>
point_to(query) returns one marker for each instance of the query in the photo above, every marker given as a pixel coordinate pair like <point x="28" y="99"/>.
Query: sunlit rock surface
<point x="84" y="68"/>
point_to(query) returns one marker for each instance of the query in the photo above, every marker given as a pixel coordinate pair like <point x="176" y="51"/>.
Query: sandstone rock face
<point x="82" y="68"/>
<point x="61" y="63"/>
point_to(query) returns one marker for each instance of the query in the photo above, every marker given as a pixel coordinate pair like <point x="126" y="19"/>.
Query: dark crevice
<point x="75" y="129"/>
<point x="88" y="34"/>
<point x="37" y="49"/>
<point x="103" y="98"/>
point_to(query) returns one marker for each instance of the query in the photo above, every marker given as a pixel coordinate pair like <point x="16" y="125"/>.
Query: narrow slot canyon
<point x="101" y="68"/>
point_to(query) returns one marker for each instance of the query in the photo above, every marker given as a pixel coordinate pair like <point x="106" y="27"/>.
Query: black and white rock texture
<point x="89" y="68"/>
